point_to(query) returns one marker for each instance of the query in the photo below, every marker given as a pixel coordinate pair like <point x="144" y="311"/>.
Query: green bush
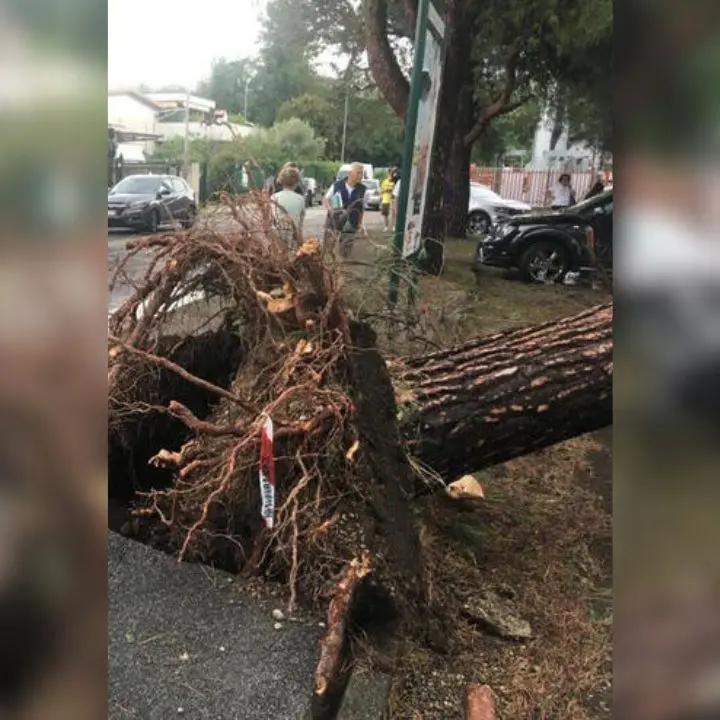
<point x="324" y="171"/>
<point x="225" y="172"/>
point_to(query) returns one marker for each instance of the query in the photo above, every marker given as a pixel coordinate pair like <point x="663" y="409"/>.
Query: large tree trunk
<point x="383" y="64"/>
<point x="495" y="398"/>
<point x="448" y="188"/>
<point x="457" y="185"/>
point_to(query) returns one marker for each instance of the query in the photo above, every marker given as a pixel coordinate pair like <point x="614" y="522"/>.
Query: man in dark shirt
<point x="345" y="203"/>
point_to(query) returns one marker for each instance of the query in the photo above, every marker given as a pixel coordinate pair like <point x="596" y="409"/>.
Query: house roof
<point x="136" y="95"/>
<point x="169" y="100"/>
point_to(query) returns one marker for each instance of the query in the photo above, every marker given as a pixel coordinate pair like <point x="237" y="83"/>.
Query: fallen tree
<point x="509" y="394"/>
<point x="353" y="437"/>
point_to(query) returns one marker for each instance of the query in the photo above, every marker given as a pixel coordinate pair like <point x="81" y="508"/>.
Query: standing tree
<point x="226" y="84"/>
<point x="499" y="55"/>
<point x="374" y="131"/>
<point x="290" y="140"/>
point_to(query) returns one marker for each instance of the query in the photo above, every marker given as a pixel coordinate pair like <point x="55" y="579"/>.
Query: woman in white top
<point x="563" y="195"/>
<point x="293" y="204"/>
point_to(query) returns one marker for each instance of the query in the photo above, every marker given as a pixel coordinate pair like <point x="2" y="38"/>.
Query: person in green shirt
<point x="291" y="221"/>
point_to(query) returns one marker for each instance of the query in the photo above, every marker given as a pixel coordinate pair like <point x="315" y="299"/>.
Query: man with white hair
<point x="345" y="202"/>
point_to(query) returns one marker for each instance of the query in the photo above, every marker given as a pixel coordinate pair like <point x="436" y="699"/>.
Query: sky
<point x="166" y="42"/>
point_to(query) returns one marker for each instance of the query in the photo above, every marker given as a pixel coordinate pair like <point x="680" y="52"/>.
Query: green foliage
<point x="285" y="141"/>
<point x="225" y="170"/>
<point x="324" y="171"/>
<point x="270" y="147"/>
<point x="374" y="132"/>
<point x="226" y="84"/>
<point x="580" y="66"/>
<point x="508" y="133"/>
<point x="318" y="112"/>
<point x="281" y="76"/>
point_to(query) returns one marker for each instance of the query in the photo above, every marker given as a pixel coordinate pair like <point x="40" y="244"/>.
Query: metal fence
<point x="531" y="186"/>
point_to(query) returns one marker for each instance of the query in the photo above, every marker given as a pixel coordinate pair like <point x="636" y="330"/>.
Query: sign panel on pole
<point x="424" y="135"/>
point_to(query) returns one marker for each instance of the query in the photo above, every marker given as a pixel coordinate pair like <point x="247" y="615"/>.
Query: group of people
<point x="344" y="202"/>
<point x="563" y="194"/>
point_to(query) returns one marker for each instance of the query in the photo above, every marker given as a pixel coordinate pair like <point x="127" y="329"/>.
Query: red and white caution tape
<point x="267" y="475"/>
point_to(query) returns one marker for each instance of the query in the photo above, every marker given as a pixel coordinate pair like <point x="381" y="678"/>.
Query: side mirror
<point x="163" y="191"/>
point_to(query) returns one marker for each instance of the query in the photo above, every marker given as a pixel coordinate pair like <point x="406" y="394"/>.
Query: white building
<point x="566" y="156"/>
<point x="162" y="116"/>
<point x="204" y="121"/>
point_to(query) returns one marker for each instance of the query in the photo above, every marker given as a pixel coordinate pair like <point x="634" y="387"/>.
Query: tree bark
<point x="382" y="61"/>
<point x="449" y="189"/>
<point x="481" y="403"/>
<point x="499" y="397"/>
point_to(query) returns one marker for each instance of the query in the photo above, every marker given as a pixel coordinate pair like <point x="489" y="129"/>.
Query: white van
<point x="344" y="171"/>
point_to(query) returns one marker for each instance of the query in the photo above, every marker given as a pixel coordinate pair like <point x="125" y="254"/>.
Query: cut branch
<point x="499" y="397"/>
<point x="331" y="647"/>
<point x="383" y="64"/>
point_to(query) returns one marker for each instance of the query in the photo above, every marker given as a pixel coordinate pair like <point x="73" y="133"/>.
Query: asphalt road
<point x="187" y="641"/>
<point x="314" y="224"/>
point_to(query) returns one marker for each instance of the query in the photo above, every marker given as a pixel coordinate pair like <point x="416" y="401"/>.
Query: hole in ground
<point x="214" y="356"/>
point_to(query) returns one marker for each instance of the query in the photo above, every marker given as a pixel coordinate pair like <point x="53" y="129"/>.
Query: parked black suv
<point x="545" y="246"/>
<point x="146" y="201"/>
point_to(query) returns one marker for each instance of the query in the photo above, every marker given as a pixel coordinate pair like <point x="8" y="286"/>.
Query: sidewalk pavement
<point x="185" y="642"/>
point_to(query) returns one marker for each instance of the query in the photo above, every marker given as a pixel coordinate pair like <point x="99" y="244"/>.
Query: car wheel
<point x="478" y="223"/>
<point x="153" y="222"/>
<point x="543" y="262"/>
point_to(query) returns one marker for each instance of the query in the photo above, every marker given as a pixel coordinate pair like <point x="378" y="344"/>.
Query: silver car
<point x="487" y="208"/>
<point x="372" y="196"/>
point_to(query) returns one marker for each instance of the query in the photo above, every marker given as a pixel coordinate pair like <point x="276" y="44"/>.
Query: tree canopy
<point x="285" y="82"/>
<point x="226" y="84"/>
<point x="289" y="140"/>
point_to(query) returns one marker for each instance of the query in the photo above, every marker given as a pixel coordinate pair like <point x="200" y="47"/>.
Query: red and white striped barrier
<point x="267" y="475"/>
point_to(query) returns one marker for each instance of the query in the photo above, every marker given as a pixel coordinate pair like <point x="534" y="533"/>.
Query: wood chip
<point x="480" y="703"/>
<point x="350" y="454"/>
<point x="466" y="488"/>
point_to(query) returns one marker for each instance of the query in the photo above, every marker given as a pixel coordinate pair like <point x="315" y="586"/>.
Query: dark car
<point x="144" y="202"/>
<point x="545" y="246"/>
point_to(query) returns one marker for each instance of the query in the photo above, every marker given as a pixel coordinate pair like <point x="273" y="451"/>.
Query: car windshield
<point x="143" y="185"/>
<point x="372" y="184"/>
<point x="484" y="190"/>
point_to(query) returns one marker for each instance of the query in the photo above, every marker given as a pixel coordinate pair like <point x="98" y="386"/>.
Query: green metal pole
<point x="410" y="127"/>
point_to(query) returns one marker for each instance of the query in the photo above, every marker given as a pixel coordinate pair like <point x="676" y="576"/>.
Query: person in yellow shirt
<point x="386" y="190"/>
